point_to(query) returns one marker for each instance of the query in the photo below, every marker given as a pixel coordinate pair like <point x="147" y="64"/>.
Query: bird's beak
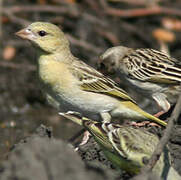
<point x="24" y="33"/>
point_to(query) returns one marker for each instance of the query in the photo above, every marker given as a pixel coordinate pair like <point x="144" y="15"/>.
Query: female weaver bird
<point x="126" y="147"/>
<point x="72" y="85"/>
<point x="155" y="74"/>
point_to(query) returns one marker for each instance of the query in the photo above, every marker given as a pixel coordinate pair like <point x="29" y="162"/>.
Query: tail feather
<point x="155" y="119"/>
<point x="146" y="115"/>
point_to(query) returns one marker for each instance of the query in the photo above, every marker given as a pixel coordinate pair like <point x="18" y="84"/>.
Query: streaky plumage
<point x="71" y="85"/>
<point x="152" y="72"/>
<point x="126" y="147"/>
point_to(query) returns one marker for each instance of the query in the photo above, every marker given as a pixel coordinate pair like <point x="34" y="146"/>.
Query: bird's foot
<point x="84" y="141"/>
<point x="158" y="114"/>
<point x="144" y="123"/>
<point x="85" y="138"/>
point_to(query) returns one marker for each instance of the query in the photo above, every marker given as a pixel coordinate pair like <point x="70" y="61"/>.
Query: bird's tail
<point x="155" y="119"/>
<point x="146" y="115"/>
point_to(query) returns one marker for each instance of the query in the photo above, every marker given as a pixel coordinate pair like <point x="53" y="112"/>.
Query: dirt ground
<point x="41" y="156"/>
<point x="91" y="28"/>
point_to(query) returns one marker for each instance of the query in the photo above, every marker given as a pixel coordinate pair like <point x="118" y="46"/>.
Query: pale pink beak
<point x="24" y="33"/>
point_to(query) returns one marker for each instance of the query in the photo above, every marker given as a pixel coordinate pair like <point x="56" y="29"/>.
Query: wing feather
<point x="152" y="65"/>
<point x="93" y="81"/>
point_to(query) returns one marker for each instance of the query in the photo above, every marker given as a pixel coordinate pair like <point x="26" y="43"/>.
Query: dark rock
<point x="41" y="157"/>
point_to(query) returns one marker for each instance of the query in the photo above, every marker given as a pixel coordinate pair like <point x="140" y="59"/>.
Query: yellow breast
<point x="55" y="74"/>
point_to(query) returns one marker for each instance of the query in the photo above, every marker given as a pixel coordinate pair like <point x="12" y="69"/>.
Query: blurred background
<point x="92" y="26"/>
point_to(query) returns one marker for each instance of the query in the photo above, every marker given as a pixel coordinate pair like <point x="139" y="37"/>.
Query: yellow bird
<point x="126" y="147"/>
<point x="72" y="85"/>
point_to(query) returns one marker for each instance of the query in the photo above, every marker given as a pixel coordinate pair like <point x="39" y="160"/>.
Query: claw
<point x="158" y="114"/>
<point x="85" y="138"/>
<point x="144" y="123"/>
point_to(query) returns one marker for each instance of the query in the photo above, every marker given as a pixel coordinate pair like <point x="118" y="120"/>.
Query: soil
<point x="24" y="108"/>
<point x="42" y="157"/>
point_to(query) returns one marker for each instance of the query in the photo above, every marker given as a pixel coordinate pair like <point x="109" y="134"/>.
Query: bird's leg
<point x="86" y="133"/>
<point x="85" y="138"/>
<point x="106" y="117"/>
<point x="158" y="114"/>
<point x="144" y="123"/>
<point x="162" y="103"/>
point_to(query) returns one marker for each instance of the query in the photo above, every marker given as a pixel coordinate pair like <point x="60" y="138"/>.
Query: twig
<point x="137" y="2"/>
<point x="43" y="8"/>
<point x="142" y="36"/>
<point x="75" y="41"/>
<point x="17" y="66"/>
<point x="1" y="7"/>
<point x="143" y="11"/>
<point x="164" y="140"/>
<point x="95" y="20"/>
<point x="84" y="44"/>
<point x="104" y="4"/>
<point x="16" y="43"/>
<point x="81" y="43"/>
<point x="74" y="11"/>
<point x="93" y="5"/>
<point x="108" y="35"/>
<point x="9" y="11"/>
<point x="18" y="20"/>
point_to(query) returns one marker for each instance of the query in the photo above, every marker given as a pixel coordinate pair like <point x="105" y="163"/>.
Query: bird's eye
<point x="42" y="33"/>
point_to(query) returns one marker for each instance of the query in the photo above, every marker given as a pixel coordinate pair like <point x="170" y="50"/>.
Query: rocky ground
<point x="41" y="156"/>
<point x="25" y="154"/>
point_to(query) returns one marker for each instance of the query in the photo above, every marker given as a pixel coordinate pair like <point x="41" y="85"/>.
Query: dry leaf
<point x="71" y="1"/>
<point x="42" y="1"/>
<point x="163" y="35"/>
<point x="171" y="23"/>
<point x="8" y="53"/>
<point x="4" y="19"/>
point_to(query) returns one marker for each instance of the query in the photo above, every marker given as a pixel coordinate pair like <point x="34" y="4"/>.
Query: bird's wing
<point x="93" y="81"/>
<point x="133" y="144"/>
<point x="153" y="66"/>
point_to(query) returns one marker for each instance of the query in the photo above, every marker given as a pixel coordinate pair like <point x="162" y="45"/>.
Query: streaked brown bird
<point x="153" y="73"/>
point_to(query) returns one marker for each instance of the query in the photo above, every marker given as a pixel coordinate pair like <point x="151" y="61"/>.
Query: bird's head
<point x="48" y="37"/>
<point x="113" y="57"/>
